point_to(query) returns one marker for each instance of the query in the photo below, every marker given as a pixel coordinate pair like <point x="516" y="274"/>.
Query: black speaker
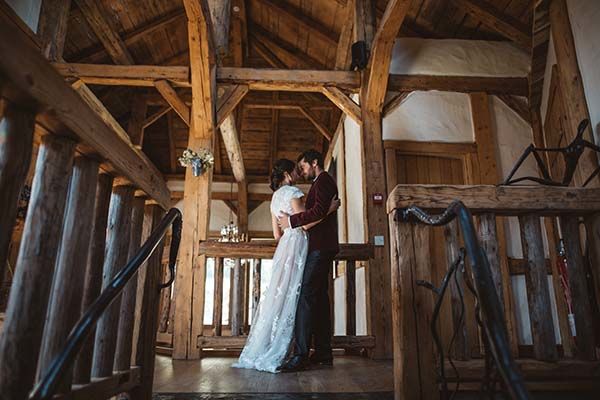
<point x="360" y="55"/>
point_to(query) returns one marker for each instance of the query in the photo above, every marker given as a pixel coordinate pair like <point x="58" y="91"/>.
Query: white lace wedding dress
<point x="273" y="325"/>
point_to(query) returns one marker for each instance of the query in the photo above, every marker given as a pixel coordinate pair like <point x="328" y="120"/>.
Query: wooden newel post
<point x="26" y="312"/>
<point x="67" y="291"/>
<point x="149" y="316"/>
<point x="538" y="294"/>
<point x="127" y="313"/>
<point x="218" y="297"/>
<point x="16" y="140"/>
<point x="117" y="246"/>
<point x="93" y="276"/>
<point x="411" y="312"/>
<point x="256" y="286"/>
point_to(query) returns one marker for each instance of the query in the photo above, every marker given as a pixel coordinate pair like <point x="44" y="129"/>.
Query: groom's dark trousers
<point x="312" y="314"/>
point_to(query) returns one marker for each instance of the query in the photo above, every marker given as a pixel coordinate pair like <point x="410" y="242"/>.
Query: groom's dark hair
<point x="311" y="155"/>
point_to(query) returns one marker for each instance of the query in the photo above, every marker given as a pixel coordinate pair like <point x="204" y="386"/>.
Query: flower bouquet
<point x="200" y="162"/>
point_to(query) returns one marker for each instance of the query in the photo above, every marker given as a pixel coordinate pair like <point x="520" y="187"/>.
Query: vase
<point x="197" y="167"/>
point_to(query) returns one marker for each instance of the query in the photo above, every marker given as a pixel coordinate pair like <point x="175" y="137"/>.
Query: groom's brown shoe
<point x="295" y="364"/>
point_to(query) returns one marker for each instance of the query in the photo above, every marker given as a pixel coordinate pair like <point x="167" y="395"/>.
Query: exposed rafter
<point x="171" y="97"/>
<point x="292" y="13"/>
<point x="394" y="103"/>
<point x="517" y="105"/>
<point x="539" y="51"/>
<point x="510" y="28"/>
<point x="229" y="101"/>
<point x="343" y="102"/>
<point x="116" y="48"/>
<point x="310" y="115"/>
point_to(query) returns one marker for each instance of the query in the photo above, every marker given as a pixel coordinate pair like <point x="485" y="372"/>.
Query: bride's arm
<point x="298" y="206"/>
<point x="276" y="229"/>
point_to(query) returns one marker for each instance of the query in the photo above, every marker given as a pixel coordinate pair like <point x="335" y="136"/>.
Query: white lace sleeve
<point x="295" y="193"/>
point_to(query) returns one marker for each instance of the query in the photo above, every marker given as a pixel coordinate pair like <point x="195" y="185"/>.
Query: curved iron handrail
<point x="490" y="306"/>
<point x="47" y="387"/>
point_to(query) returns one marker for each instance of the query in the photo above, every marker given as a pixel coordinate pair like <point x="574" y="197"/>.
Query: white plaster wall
<point x="28" y="10"/>
<point x="354" y="182"/>
<point x="458" y="57"/>
<point x="432" y="117"/>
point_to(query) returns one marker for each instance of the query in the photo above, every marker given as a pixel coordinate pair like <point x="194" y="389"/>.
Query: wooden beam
<point x="339" y="131"/>
<point x="509" y="27"/>
<point x="295" y="14"/>
<point x="191" y="272"/>
<point x="518" y="106"/>
<point x="172" y="147"/>
<point x="135" y="125"/>
<point x="343" y="102"/>
<point x="571" y="86"/>
<point x="242" y="206"/>
<point x="364" y="21"/>
<point x="96" y="53"/>
<point x="539" y="51"/>
<point x="125" y="75"/>
<point x="171" y="96"/>
<point x="372" y="94"/>
<point x="52" y="27"/>
<point x="156" y="116"/>
<point x="234" y="150"/>
<point x="229" y="101"/>
<point x="503" y="200"/>
<point x="111" y="41"/>
<point x="342" y="53"/>
<point x="266" y="249"/>
<point x="394" y="103"/>
<point x="431" y="148"/>
<point x="289" y="80"/>
<point x="220" y="12"/>
<point x="460" y="84"/>
<point x="231" y="206"/>
<point x="315" y="121"/>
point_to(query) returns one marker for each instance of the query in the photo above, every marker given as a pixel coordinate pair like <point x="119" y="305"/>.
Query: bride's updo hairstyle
<point x="278" y="174"/>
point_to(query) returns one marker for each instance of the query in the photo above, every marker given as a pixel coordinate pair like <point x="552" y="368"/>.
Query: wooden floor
<point x="215" y="375"/>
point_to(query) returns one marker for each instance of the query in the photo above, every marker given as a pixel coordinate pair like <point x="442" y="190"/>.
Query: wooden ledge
<point x="503" y="200"/>
<point x="265" y="250"/>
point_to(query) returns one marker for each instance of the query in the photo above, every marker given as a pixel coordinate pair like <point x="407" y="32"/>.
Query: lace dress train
<point x="272" y="326"/>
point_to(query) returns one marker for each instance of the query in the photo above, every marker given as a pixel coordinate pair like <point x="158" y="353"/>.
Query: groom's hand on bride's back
<point x="283" y="220"/>
<point x="335" y="204"/>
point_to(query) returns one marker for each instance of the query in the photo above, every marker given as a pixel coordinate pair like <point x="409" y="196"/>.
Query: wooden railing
<point x="93" y="197"/>
<point x="251" y="255"/>
<point x="570" y="365"/>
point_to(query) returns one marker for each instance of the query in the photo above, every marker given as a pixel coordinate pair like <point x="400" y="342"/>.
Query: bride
<point x="273" y="324"/>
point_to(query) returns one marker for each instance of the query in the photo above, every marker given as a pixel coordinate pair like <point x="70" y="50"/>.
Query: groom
<point x="312" y="315"/>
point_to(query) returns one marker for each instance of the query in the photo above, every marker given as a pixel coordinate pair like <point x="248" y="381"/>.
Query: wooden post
<point x="461" y="349"/>
<point x="218" y="297"/>
<point x="256" y="286"/>
<point x="236" y="299"/>
<point x="582" y="308"/>
<point x="538" y="294"/>
<point x="93" y="277"/>
<point x="411" y="313"/>
<point x="246" y="296"/>
<point x="350" y="298"/>
<point x="128" y="299"/>
<point x="117" y="245"/>
<point x="489" y="243"/>
<point x="52" y="27"/>
<point x="67" y="290"/>
<point x="16" y="141"/>
<point x="28" y="301"/>
<point x="149" y="321"/>
<point x="165" y="300"/>
<point x="571" y="85"/>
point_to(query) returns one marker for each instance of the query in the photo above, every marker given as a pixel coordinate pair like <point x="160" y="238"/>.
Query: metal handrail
<point x="47" y="387"/>
<point x="490" y="306"/>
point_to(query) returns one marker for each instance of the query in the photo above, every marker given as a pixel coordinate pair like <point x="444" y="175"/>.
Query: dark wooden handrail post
<point x="93" y="277"/>
<point x="67" y="290"/>
<point x="256" y="285"/>
<point x="145" y="353"/>
<point x="26" y="312"/>
<point x="350" y="297"/>
<point x="218" y="297"/>
<point x="16" y="141"/>
<point x="128" y="299"/>
<point x="117" y="245"/>
<point x="236" y="299"/>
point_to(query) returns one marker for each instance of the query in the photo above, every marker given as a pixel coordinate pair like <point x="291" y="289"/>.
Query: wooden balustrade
<point x="248" y="256"/>
<point x="80" y="157"/>
<point x="415" y="357"/>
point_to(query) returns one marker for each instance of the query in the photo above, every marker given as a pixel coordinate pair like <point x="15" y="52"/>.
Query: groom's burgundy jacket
<point x="323" y="236"/>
